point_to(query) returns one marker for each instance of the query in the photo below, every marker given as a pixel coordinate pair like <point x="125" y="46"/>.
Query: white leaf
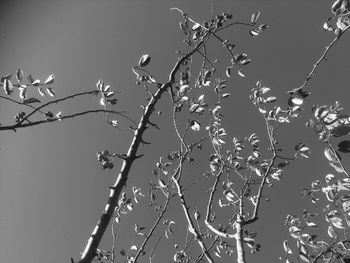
<point x="144" y="60"/>
<point x="254" y="17"/>
<point x="195" y="125"/>
<point x="22" y="92"/>
<point x="286" y="247"/>
<point x="240" y="73"/>
<point x="297" y="100"/>
<point x="228" y="72"/>
<point x="102" y="101"/>
<point x="264" y="90"/>
<point x="41" y="91"/>
<point x="50" y="79"/>
<point x="19" y="75"/>
<point x="271" y="99"/>
<point x="331" y="232"/>
<point x="51" y="92"/>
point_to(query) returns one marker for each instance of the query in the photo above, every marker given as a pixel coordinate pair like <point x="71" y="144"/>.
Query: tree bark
<point x="239" y="241"/>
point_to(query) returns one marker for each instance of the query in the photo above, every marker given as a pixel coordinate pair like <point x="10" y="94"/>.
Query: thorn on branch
<point x="121" y="156"/>
<point x="144" y="142"/>
<point x="139" y="156"/>
<point x="153" y="125"/>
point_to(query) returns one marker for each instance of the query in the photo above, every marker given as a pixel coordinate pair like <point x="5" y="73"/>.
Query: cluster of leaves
<point x="341" y="15"/>
<point x="240" y="171"/>
<point x="309" y="246"/>
<point x="27" y="85"/>
<point x="105" y="159"/>
<point x="22" y="86"/>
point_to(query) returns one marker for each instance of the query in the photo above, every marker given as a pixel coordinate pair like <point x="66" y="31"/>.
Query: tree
<point x="238" y="173"/>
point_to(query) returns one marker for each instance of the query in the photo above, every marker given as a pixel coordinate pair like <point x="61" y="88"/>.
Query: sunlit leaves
<point x="22" y="92"/>
<point x="144" y="60"/>
<point x="51" y="92"/>
<point x="254" y="17"/>
<point x="228" y="72"/>
<point x="19" y="75"/>
<point x="331" y="232"/>
<point x="41" y="91"/>
<point x="294" y="232"/>
<point x="302" y="150"/>
<point x="195" y="125"/>
<point x="169" y="227"/>
<point x="115" y="123"/>
<point x="258" y="30"/>
<point x="225" y="95"/>
<point x="286" y="247"/>
<point x="8" y="87"/>
<point x="50" y="79"/>
<point x="304" y="257"/>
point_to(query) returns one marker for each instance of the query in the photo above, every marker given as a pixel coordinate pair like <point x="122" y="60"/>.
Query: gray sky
<point x="52" y="189"/>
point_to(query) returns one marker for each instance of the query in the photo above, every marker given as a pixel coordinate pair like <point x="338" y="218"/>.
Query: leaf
<point x="230" y="196"/>
<point x="41" y="91"/>
<point x="337" y="166"/>
<point x="297" y="100"/>
<point x="19" y="75"/>
<point x="161" y="183"/>
<point x="336" y="6"/>
<point x="30" y="78"/>
<point x="197" y="215"/>
<point x="286" y="247"/>
<point x="228" y="72"/>
<point x="50" y="79"/>
<point x="330" y="155"/>
<point x="144" y="60"/>
<point x="263" y="90"/>
<point x="115" y="123"/>
<point x="254" y="32"/>
<point x="254" y="17"/>
<point x="226" y="95"/>
<point x="329" y="177"/>
<point x="8" y="87"/>
<point x="31" y="100"/>
<point x="195" y="125"/>
<point x="271" y="99"/>
<point x="331" y="232"/>
<point x="311" y="224"/>
<point x="36" y="83"/>
<point x="51" y="92"/>
<point x="240" y="73"/>
<point x="217" y="254"/>
<point x="337" y="222"/>
<point x="22" y="92"/>
<point x="133" y="248"/>
<point x="340" y="130"/>
<point x="344" y="146"/>
<point x="304" y="257"/>
<point x="103" y="101"/>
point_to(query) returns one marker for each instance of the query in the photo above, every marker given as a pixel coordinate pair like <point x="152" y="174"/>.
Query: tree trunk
<point x="239" y="241"/>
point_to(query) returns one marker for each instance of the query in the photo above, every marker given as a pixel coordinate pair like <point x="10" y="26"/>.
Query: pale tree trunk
<point x="239" y="241"/>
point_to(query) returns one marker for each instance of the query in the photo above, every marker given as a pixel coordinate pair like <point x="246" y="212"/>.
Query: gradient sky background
<point x="52" y="189"/>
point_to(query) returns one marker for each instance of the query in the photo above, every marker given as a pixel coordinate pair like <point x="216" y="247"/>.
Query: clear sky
<point x="52" y="189"/>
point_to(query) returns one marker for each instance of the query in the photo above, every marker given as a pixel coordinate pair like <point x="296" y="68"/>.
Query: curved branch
<point x="101" y="226"/>
<point x="318" y="62"/>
